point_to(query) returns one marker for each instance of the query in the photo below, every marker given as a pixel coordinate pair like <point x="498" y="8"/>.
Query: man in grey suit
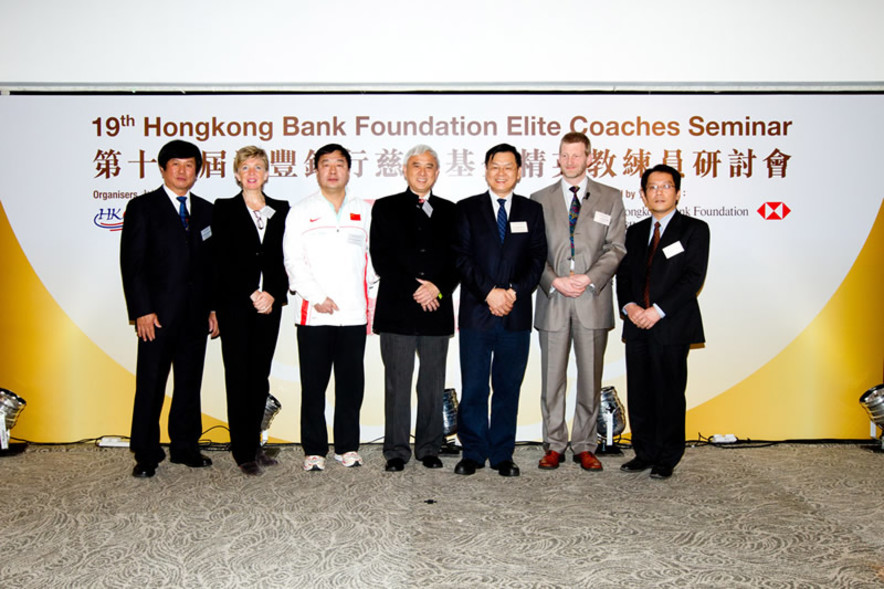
<point x="585" y="232"/>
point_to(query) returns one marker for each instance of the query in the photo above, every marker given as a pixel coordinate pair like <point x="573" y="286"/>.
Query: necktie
<point x="655" y="241"/>
<point x="501" y="218"/>
<point x="573" y="213"/>
<point x="182" y="212"/>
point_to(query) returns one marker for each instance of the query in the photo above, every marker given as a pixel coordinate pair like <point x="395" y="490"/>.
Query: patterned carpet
<point x="783" y="516"/>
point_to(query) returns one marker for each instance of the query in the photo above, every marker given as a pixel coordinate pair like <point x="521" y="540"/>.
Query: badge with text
<point x="206" y="233"/>
<point x="518" y="226"/>
<point x="673" y="249"/>
<point x="602" y="218"/>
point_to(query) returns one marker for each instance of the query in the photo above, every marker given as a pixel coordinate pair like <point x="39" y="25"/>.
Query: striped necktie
<point x="501" y="218"/>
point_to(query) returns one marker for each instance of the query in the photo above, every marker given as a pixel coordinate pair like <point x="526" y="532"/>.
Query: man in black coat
<point x="166" y="264"/>
<point x="411" y="234"/>
<point x="657" y="286"/>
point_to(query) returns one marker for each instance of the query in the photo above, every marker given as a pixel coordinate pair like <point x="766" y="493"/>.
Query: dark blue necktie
<point x="501" y="218"/>
<point x="182" y="212"/>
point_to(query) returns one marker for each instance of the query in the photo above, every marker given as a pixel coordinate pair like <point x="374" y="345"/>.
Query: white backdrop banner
<point x="787" y="184"/>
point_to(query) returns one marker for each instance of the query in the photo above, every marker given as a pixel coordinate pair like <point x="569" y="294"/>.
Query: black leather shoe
<point x="635" y="465"/>
<point x="143" y="470"/>
<point x="263" y="459"/>
<point x="193" y="461"/>
<point x="250" y="469"/>
<point x="506" y="468"/>
<point x="431" y="462"/>
<point x="661" y="472"/>
<point x="395" y="465"/>
<point x="467" y="467"/>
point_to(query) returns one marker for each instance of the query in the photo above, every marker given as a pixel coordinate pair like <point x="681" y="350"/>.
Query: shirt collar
<point x="581" y="188"/>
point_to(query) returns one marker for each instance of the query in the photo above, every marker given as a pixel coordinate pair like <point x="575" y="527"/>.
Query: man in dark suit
<point x="165" y="258"/>
<point x="500" y="249"/>
<point x="411" y="236"/>
<point x="657" y="287"/>
<point x="585" y="230"/>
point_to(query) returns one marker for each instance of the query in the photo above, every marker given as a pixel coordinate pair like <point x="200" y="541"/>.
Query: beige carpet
<point x="783" y="516"/>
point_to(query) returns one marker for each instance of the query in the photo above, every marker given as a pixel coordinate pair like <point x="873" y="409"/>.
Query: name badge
<point x="267" y="212"/>
<point x="673" y="249"/>
<point x="518" y="226"/>
<point x="206" y="233"/>
<point x="602" y="218"/>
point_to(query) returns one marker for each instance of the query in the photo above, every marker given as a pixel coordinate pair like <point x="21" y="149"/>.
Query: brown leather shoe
<point x="588" y="461"/>
<point x="550" y="460"/>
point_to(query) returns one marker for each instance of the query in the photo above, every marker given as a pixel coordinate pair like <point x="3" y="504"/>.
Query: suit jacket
<point x="241" y="257"/>
<point x="167" y="270"/>
<point x="406" y="245"/>
<point x="484" y="263"/>
<point x="598" y="248"/>
<point x="675" y="280"/>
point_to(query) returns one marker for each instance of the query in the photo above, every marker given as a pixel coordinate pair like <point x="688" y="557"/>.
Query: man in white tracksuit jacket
<point x="327" y="260"/>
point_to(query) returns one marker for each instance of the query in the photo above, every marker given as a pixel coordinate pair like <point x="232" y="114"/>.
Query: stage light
<point x="449" y="412"/>
<point x="271" y="408"/>
<point x="10" y="407"/>
<point x="449" y="421"/>
<point x="873" y="402"/>
<point x="611" y="421"/>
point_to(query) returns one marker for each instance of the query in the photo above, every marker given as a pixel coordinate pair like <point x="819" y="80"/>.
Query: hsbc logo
<point x="774" y="211"/>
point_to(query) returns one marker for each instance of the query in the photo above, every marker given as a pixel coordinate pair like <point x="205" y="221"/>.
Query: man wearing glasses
<point x="657" y="287"/>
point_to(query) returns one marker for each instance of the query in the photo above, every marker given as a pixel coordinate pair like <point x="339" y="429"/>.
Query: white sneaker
<point x="349" y="459"/>
<point x="314" y="462"/>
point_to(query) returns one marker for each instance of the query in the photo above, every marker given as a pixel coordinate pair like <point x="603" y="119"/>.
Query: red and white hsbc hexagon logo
<point x="774" y="211"/>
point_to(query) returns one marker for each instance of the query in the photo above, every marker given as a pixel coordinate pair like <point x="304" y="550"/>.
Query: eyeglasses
<point x="653" y="187"/>
<point x="259" y="219"/>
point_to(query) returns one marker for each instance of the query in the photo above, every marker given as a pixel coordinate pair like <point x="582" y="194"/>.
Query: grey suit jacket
<point x="599" y="239"/>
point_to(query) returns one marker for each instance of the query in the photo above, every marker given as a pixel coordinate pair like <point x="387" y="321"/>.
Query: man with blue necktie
<point x="166" y="263"/>
<point x="500" y="251"/>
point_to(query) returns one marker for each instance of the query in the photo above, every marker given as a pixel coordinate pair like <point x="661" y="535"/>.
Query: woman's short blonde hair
<point x="245" y="153"/>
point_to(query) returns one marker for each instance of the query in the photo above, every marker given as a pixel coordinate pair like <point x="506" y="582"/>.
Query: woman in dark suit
<point x="251" y="288"/>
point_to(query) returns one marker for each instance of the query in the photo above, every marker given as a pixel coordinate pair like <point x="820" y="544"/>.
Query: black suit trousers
<point x="248" y="341"/>
<point x="182" y="346"/>
<point x="656" y="378"/>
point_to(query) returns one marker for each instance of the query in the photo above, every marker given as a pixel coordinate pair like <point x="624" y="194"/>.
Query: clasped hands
<point x="642" y="318"/>
<point x="426" y="295"/>
<point x="500" y="301"/>
<point x="263" y="302"/>
<point x="571" y="286"/>
<point x="327" y="306"/>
